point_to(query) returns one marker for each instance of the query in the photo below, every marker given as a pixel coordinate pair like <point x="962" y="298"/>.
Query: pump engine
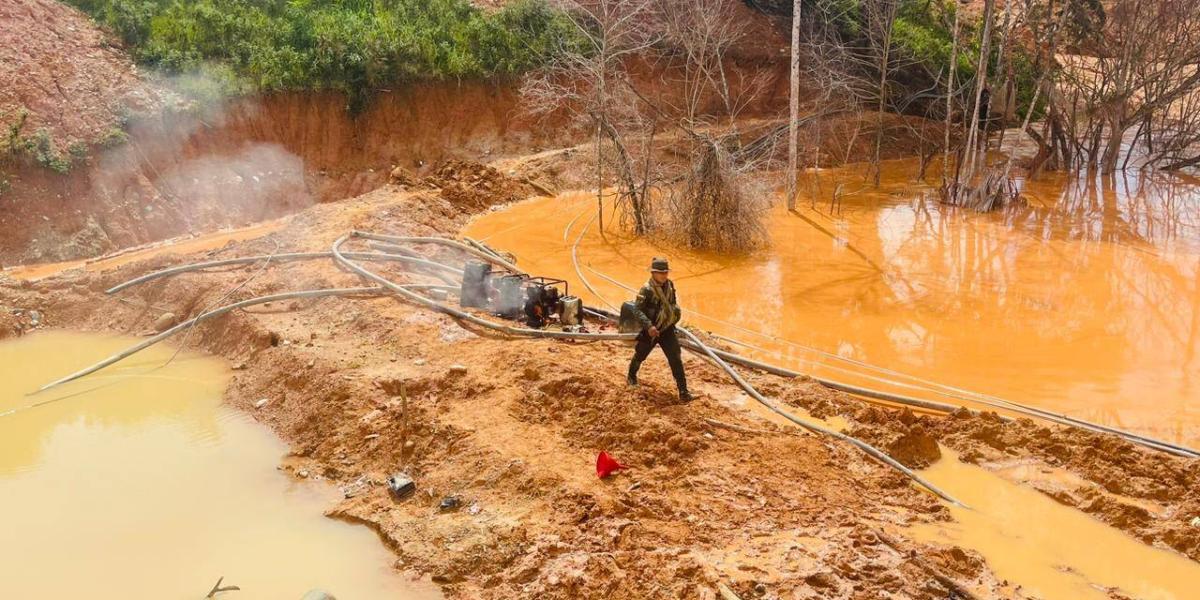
<point x="520" y="297"/>
<point x="542" y="299"/>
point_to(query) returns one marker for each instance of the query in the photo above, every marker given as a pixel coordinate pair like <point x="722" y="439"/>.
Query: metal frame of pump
<point x="518" y="296"/>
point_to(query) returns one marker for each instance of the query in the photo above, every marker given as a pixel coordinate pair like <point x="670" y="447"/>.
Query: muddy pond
<point x="137" y="482"/>
<point x="1084" y="302"/>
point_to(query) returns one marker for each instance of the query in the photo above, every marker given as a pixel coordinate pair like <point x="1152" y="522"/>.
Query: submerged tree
<point x="716" y="204"/>
<point x="1136" y="68"/>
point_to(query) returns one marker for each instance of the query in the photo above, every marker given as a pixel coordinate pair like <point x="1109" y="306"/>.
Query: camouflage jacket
<point x="648" y="305"/>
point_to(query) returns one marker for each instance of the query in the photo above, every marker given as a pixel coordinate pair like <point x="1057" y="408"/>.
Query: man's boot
<point x="685" y="396"/>
<point x="631" y="377"/>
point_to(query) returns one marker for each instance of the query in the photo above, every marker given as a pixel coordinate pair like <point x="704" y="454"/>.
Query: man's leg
<point x="644" y="345"/>
<point x="669" y="342"/>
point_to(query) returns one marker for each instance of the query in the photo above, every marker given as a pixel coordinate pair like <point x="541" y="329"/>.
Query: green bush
<point x="112" y="138"/>
<point x="78" y="152"/>
<point x="355" y="46"/>
<point x="45" y="152"/>
<point x="15" y="144"/>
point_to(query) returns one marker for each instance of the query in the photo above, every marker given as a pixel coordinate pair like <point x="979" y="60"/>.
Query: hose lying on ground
<point x="344" y="260"/>
<point x="358" y="291"/>
<point x="483" y="247"/>
<point x="871" y="451"/>
<point x="750" y="363"/>
<point x="276" y="258"/>
<point x="439" y="241"/>
<point x="865" y="447"/>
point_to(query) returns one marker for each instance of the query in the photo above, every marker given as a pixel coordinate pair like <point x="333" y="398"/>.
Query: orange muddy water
<point x="137" y="483"/>
<point x="1052" y="551"/>
<point x="1086" y="302"/>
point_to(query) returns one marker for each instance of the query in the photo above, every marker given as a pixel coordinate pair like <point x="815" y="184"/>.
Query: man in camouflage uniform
<point x="657" y="309"/>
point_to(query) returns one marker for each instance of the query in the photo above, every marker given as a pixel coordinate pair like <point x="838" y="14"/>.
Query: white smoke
<point x="195" y="168"/>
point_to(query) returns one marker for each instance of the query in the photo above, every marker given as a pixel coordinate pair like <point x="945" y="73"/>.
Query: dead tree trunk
<point x="950" y="96"/>
<point x="627" y="185"/>
<point x="794" y="109"/>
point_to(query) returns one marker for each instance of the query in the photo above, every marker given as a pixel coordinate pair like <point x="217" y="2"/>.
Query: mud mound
<point x="915" y="449"/>
<point x="67" y="74"/>
<point x="18" y="321"/>
<point x="9" y="325"/>
<point x="597" y="415"/>
<point x="957" y="560"/>
<point x="473" y="186"/>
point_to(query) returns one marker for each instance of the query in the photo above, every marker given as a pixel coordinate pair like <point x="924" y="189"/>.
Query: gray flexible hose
<point x="872" y="451"/>
<point x="400" y="290"/>
<point x="204" y="317"/>
<point x="277" y="257"/>
<point x="439" y="241"/>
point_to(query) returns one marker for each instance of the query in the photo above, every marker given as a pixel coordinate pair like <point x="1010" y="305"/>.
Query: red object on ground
<point x="606" y="465"/>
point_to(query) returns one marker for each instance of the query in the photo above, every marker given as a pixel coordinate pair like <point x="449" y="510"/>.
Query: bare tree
<point x="591" y="82"/>
<point x="687" y="42"/>
<point x="951" y="70"/>
<point x="794" y="108"/>
<point x="717" y="205"/>
<point x="1140" y="77"/>
<point x="859" y="72"/>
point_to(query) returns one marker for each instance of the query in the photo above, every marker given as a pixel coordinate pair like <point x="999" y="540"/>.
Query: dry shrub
<point x="721" y="207"/>
<point x="996" y="190"/>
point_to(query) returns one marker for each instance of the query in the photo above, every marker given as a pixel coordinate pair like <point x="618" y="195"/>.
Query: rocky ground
<point x="501" y="435"/>
<point x="71" y="79"/>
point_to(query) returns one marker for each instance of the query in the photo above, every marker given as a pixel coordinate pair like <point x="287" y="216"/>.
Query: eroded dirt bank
<point x="511" y="429"/>
<point x="250" y="160"/>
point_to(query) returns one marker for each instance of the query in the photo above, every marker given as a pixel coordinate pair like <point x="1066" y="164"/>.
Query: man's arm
<point x="641" y="305"/>
<point x="675" y="304"/>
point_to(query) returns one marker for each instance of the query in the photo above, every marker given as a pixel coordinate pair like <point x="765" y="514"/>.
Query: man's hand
<point x="653" y="331"/>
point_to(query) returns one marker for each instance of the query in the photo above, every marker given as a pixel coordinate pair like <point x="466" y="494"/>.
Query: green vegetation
<point x="45" y="152"/>
<point x="40" y="148"/>
<point x="222" y="47"/>
<point x="112" y="138"/>
<point x="920" y="47"/>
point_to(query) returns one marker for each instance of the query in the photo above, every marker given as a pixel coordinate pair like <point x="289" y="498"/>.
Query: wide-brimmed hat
<point x="659" y="265"/>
